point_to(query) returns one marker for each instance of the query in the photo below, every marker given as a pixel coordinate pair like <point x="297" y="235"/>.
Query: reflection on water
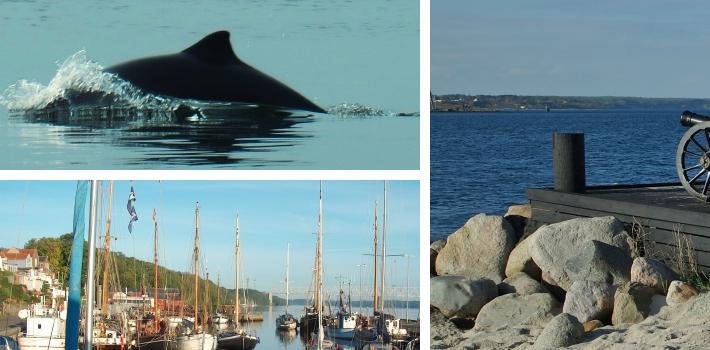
<point x="184" y="136"/>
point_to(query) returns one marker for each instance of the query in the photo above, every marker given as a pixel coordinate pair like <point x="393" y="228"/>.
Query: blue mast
<point x="77" y="252"/>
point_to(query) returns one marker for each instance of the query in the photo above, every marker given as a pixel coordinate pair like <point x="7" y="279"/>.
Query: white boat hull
<point x="40" y="343"/>
<point x="196" y="342"/>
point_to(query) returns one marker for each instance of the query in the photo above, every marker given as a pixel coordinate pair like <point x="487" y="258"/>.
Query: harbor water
<point x="482" y="162"/>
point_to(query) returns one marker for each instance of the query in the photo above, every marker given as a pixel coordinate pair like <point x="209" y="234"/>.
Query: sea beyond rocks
<point x="580" y="284"/>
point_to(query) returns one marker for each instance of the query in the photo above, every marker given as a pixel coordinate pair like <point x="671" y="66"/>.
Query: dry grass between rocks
<point x="682" y="257"/>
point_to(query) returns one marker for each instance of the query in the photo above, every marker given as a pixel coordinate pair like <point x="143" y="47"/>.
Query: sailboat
<point x="386" y="327"/>
<point x="155" y="336"/>
<point x="238" y="339"/>
<point x="196" y="339"/>
<point x="346" y="320"/>
<point x="320" y="342"/>
<point x="219" y="319"/>
<point x="286" y="321"/>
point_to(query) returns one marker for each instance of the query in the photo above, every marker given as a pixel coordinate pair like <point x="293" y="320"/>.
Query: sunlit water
<point x="359" y="60"/>
<point x="482" y="162"/>
<point x="270" y="338"/>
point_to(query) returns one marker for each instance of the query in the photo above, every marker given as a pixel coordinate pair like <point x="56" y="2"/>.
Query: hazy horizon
<point x="653" y="49"/>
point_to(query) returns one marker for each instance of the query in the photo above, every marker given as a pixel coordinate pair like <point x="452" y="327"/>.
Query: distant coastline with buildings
<point x="494" y="103"/>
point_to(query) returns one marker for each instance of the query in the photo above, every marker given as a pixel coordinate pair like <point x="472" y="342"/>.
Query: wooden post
<point x="568" y="162"/>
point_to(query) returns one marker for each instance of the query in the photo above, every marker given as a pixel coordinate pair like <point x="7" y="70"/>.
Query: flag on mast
<point x="131" y="209"/>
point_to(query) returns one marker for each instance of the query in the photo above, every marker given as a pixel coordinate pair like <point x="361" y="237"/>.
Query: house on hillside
<point x="30" y="269"/>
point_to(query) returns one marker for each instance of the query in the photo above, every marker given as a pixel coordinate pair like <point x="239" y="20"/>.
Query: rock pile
<point x="573" y="282"/>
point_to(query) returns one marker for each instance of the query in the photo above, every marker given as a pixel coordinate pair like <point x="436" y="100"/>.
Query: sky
<point x="571" y="48"/>
<point x="272" y="213"/>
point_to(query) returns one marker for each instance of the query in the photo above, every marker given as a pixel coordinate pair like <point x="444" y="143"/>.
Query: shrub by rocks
<point x="479" y="249"/>
<point x="652" y="273"/>
<point x="563" y="330"/>
<point x="461" y="296"/>
<point x="553" y="245"/>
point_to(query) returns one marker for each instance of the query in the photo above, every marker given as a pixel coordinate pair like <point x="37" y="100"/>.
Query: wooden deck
<point x="660" y="208"/>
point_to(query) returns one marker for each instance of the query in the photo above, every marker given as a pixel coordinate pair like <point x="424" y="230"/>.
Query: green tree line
<point x="132" y="273"/>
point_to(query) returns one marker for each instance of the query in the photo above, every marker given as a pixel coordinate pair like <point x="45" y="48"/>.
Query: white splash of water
<point x="78" y="74"/>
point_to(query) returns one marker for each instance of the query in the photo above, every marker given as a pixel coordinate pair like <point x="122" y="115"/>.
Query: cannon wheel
<point x="693" y="161"/>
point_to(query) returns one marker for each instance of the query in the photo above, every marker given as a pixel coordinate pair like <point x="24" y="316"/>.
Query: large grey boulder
<point x="632" y="303"/>
<point x="459" y="296"/>
<point x="588" y="301"/>
<point x="553" y="245"/>
<point x="520" y="283"/>
<point x="652" y="273"/>
<point x="597" y="262"/>
<point x="520" y="260"/>
<point x="479" y="249"/>
<point x="517" y="310"/>
<point x="563" y="330"/>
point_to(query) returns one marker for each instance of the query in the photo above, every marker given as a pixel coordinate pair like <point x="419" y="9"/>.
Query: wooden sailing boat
<point x="198" y="338"/>
<point x="238" y="339"/>
<point x="218" y="318"/>
<point x="155" y="335"/>
<point x="318" y="337"/>
<point x="286" y="321"/>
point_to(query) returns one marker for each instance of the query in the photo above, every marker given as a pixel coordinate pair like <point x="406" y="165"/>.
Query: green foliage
<point x="13" y="292"/>
<point x="133" y="273"/>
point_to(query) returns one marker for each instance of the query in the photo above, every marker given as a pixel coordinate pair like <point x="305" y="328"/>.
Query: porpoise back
<point x="210" y="71"/>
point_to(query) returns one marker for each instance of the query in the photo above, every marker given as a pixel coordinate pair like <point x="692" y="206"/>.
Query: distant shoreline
<point x="511" y="103"/>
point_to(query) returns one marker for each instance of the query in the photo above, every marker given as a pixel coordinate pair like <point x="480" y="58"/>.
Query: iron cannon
<point x="693" y="155"/>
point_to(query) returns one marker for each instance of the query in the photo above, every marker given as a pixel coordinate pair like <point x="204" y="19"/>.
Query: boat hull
<point x="196" y="342"/>
<point x="155" y="342"/>
<point x="40" y="343"/>
<point x="237" y="342"/>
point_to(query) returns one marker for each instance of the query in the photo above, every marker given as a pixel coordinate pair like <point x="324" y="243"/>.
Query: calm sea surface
<point x="272" y="339"/>
<point x="482" y="162"/>
<point x="333" y="52"/>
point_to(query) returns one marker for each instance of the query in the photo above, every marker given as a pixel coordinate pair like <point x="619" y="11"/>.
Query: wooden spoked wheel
<point x="693" y="161"/>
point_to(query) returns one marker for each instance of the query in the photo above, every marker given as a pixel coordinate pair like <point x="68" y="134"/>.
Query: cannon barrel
<point x="688" y="118"/>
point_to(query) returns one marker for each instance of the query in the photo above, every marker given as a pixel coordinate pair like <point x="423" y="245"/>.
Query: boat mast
<point x="89" y="328"/>
<point x="196" y="257"/>
<point x="236" y="289"/>
<point x="288" y="252"/>
<point x="320" y="269"/>
<point x="375" y="303"/>
<point x="207" y="298"/>
<point x="218" y="290"/>
<point x="107" y="254"/>
<point x="384" y="250"/>
<point x="155" y="269"/>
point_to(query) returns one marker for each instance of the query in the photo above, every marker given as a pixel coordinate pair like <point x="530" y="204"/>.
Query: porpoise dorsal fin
<point x="214" y="48"/>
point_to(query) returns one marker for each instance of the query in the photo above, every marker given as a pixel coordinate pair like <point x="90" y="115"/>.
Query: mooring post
<point x="568" y="162"/>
